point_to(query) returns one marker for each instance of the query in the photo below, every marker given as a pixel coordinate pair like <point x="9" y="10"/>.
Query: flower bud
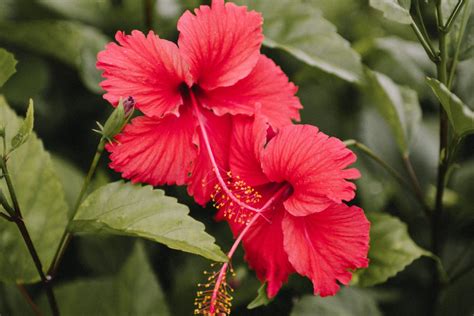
<point x="118" y="118"/>
<point x="128" y="105"/>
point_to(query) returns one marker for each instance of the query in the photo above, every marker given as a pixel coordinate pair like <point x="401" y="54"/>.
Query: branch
<point x="27" y="297"/>
<point x="449" y="23"/>
<point x="425" y="43"/>
<point x="18" y="219"/>
<point x="366" y="150"/>
<point x="460" y="36"/>
<point x="416" y="185"/>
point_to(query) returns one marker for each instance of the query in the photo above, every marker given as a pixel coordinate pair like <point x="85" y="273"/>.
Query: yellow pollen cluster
<point x="223" y="301"/>
<point x="243" y="192"/>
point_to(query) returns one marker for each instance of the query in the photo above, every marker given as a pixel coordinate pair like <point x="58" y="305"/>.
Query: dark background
<point x="67" y="108"/>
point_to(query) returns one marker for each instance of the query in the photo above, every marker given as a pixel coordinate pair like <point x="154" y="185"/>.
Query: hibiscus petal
<point x="221" y="43"/>
<point x="326" y="246"/>
<point x="263" y="245"/>
<point x="266" y="86"/>
<point x="148" y="68"/>
<point x="203" y="178"/>
<point x="249" y="135"/>
<point x="313" y="163"/>
<point x="155" y="151"/>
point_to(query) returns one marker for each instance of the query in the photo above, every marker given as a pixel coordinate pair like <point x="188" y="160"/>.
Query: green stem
<point x="462" y="273"/>
<point x="422" y="22"/>
<point x="90" y="174"/>
<point x="5" y="216"/>
<point x="6" y="206"/>
<point x="416" y="185"/>
<point x="422" y="35"/>
<point x="366" y="150"/>
<point x="466" y="251"/>
<point x="67" y="236"/>
<point x="149" y="8"/>
<point x="4" y="143"/>
<point x="18" y="219"/>
<point x="465" y="18"/>
<point x="425" y="43"/>
<point x="443" y="159"/>
<point x="11" y="190"/>
<point x="449" y="23"/>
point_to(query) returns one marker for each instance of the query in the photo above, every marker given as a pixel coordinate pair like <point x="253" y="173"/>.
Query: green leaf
<point x="459" y="114"/>
<point x="464" y="80"/>
<point x="12" y="301"/>
<point x="31" y="79"/>
<point x="348" y="302"/>
<point x="42" y="203"/>
<point x="71" y="178"/>
<point x="375" y="189"/>
<point x="261" y="299"/>
<point x="299" y="28"/>
<point x="462" y="183"/>
<point x="73" y="43"/>
<point x="108" y="15"/>
<point x="391" y="250"/>
<point x="133" y="291"/>
<point x="394" y="10"/>
<point x="132" y="210"/>
<point x="456" y="299"/>
<point x="26" y="128"/>
<point x="467" y="44"/>
<point x="90" y="11"/>
<point x="405" y="62"/>
<point x="466" y="50"/>
<point x="450" y="197"/>
<point x="104" y="254"/>
<point x="398" y="105"/>
<point x="7" y="65"/>
<point x="447" y="6"/>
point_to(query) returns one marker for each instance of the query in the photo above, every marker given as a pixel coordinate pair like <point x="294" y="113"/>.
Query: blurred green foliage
<point x="324" y="46"/>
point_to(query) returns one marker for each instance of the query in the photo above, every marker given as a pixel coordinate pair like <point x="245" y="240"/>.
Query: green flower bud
<point x="118" y="118"/>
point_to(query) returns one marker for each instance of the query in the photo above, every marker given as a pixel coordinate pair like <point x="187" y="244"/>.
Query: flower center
<point x="187" y="91"/>
<point x="237" y="212"/>
<point x="287" y="191"/>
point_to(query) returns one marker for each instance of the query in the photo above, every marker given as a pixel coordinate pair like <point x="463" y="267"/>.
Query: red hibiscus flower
<point x="301" y="179"/>
<point x="188" y="92"/>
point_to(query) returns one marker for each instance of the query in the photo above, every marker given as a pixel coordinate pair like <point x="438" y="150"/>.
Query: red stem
<point x="223" y="270"/>
<point x="213" y="160"/>
<point x="258" y="211"/>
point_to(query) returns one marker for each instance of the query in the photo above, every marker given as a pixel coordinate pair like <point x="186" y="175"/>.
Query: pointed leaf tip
<point x="261" y="299"/>
<point x="394" y="10"/>
<point x="287" y="22"/>
<point x="141" y="211"/>
<point x="391" y="250"/>
<point x="7" y="66"/>
<point x="25" y="129"/>
<point x="460" y="115"/>
<point x="398" y="105"/>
